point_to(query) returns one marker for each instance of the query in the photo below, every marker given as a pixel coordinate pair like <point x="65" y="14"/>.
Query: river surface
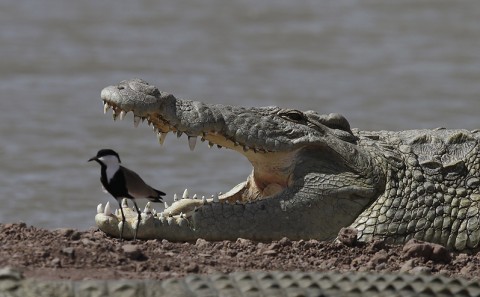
<point x="385" y="65"/>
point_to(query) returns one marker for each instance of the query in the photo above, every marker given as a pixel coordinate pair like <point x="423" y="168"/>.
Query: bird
<point x="122" y="182"/>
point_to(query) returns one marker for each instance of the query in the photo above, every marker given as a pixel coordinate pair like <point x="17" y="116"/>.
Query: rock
<point x="273" y="246"/>
<point x="192" y="268"/>
<point x="244" y="242"/>
<point x="407" y="266"/>
<point x="468" y="270"/>
<point x="348" y="236"/>
<point x="56" y="262"/>
<point x="375" y="245"/>
<point x="76" y="235"/>
<point x="20" y="225"/>
<point x="69" y="251"/>
<point x="285" y="242"/>
<point x="420" y="270"/>
<point x="379" y="258"/>
<point x="269" y="253"/>
<point x="133" y="252"/>
<point x="86" y="241"/>
<point x="429" y="251"/>
<point x="201" y="243"/>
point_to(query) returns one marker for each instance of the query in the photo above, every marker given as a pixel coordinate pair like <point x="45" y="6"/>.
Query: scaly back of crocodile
<point x="432" y="189"/>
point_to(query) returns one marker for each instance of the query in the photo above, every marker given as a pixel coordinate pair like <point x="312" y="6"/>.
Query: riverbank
<point x="78" y="255"/>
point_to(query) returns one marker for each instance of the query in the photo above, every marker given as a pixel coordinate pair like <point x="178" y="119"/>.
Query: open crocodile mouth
<point x="272" y="172"/>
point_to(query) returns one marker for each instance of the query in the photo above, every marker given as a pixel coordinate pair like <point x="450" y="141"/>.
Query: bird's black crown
<point x="108" y="152"/>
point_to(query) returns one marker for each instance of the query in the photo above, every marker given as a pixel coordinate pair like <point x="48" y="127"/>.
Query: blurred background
<point x="384" y="65"/>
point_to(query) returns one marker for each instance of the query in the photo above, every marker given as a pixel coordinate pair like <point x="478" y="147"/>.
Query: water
<point x="390" y="65"/>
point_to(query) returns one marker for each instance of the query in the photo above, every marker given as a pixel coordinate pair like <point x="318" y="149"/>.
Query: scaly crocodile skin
<point x="248" y="284"/>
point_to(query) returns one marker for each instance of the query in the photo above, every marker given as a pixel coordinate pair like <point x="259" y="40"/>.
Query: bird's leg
<point x="123" y="219"/>
<point x="138" y="219"/>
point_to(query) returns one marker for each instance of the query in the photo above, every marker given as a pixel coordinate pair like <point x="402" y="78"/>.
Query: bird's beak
<point x="93" y="159"/>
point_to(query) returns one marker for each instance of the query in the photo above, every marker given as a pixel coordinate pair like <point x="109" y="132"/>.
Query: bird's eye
<point x="294" y="116"/>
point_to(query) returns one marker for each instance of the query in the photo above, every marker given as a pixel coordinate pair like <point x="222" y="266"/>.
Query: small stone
<point x="201" y="243"/>
<point x="192" y="268"/>
<point x="420" y="270"/>
<point x="269" y="252"/>
<point x="407" y="266"/>
<point x="379" y="257"/>
<point x="285" y="242"/>
<point x="133" y="252"/>
<point x="86" y="241"/>
<point x="56" y="262"/>
<point x="243" y="241"/>
<point x="69" y="251"/>
<point x="375" y="245"/>
<point x="426" y="250"/>
<point x="273" y="246"/>
<point x="348" y="236"/>
<point x="468" y="270"/>
<point x="76" y="235"/>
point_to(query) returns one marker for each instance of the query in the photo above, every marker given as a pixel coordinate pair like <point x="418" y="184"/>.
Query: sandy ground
<point x="72" y="254"/>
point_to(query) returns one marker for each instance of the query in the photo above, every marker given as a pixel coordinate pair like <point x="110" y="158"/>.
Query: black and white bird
<point x="122" y="182"/>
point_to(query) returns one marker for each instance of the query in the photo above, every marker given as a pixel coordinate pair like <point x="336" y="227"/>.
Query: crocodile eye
<point x="294" y="116"/>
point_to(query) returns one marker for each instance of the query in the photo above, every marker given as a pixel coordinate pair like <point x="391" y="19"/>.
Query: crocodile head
<point x="309" y="177"/>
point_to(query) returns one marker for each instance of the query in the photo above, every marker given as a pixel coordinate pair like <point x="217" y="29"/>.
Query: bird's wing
<point x="136" y="186"/>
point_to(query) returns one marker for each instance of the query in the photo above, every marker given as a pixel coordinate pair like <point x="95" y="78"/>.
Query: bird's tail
<point x="158" y="197"/>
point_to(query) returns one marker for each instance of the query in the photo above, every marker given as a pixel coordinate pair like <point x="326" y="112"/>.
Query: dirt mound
<point x="72" y="254"/>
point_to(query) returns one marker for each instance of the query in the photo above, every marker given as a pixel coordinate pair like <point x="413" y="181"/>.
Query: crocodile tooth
<point x="106" y="106"/>
<point x="194" y="196"/>
<point x="136" y="121"/>
<point x="161" y="216"/>
<point x="170" y="220"/>
<point x="215" y="198"/>
<point x="118" y="213"/>
<point x="100" y="208"/>
<point x="124" y="203"/>
<point x="107" y="210"/>
<point x="161" y="137"/>
<point x="175" y="198"/>
<point x="204" y="200"/>
<point x="166" y="204"/>
<point x="148" y="208"/>
<point x="122" y="114"/>
<point x="185" y="194"/>
<point x="192" y="141"/>
<point x="154" y="211"/>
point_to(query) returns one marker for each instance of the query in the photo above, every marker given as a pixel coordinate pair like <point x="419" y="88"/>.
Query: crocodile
<point x="312" y="175"/>
<point x="275" y="283"/>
